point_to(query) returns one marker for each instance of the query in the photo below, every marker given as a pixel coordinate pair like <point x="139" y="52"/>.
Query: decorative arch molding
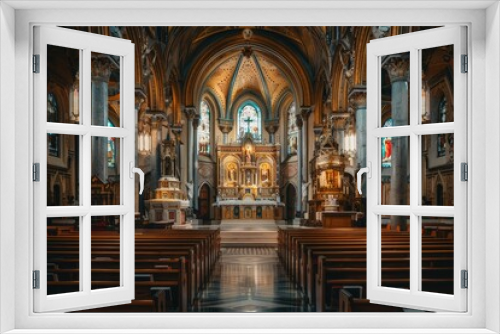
<point x="247" y="96"/>
<point x="213" y="102"/>
<point x="175" y="103"/>
<point x="284" y="102"/>
<point x="290" y="62"/>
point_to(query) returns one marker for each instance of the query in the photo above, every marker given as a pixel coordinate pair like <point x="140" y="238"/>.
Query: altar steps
<point x="249" y="233"/>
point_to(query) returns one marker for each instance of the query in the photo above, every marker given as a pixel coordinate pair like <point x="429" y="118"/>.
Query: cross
<point x="248" y="120"/>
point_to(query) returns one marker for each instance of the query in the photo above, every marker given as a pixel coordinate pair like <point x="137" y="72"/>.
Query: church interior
<point x="250" y="139"/>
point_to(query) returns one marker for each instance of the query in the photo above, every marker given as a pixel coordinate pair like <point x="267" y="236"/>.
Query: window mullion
<point x="86" y="158"/>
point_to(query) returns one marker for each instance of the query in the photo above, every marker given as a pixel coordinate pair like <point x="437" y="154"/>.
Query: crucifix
<point x="248" y="120"/>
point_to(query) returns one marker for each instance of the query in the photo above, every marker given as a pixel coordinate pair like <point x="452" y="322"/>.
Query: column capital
<point x="357" y="97"/>
<point x="299" y="121"/>
<point x="225" y="125"/>
<point x="305" y="112"/>
<point x="190" y="112"/>
<point x="398" y="67"/>
<point x="271" y="125"/>
<point x="100" y="68"/>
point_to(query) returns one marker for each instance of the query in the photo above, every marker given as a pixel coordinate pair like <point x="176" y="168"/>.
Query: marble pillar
<point x="271" y="127"/>
<point x="398" y="70"/>
<point x="139" y="199"/>
<point x="196" y="122"/>
<point x="189" y="112"/>
<point x="225" y="126"/>
<point x="305" y="111"/>
<point x="300" y="124"/>
<point x="101" y="70"/>
<point x="155" y="158"/>
<point x="357" y="98"/>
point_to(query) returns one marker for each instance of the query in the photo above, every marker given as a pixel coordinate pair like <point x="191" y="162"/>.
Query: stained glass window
<point x="52" y="116"/>
<point x="111" y="149"/>
<point x="441" y="138"/>
<point x="249" y="121"/>
<point x="292" y="128"/>
<point x="204" y="129"/>
<point x="387" y="147"/>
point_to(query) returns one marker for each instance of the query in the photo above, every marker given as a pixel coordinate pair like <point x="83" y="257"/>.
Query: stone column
<point x="155" y="152"/>
<point x="196" y="122"/>
<point x="300" y="124"/>
<point x="339" y="121"/>
<point x="398" y="70"/>
<point x="305" y="111"/>
<point x="139" y="199"/>
<point x="357" y="98"/>
<point x="100" y="71"/>
<point x="271" y="127"/>
<point x="225" y="126"/>
<point x="177" y="130"/>
<point x="189" y="112"/>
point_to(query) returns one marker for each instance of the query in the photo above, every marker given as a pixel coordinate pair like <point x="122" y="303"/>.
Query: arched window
<point x="292" y="129"/>
<point x="249" y="120"/>
<point x="204" y="129"/>
<point x="111" y="149"/>
<point x="387" y="147"/>
<point x="443" y="108"/>
<point x="441" y="138"/>
<point x="53" y="140"/>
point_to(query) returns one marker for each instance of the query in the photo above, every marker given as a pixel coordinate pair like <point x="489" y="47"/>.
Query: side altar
<point x="247" y="181"/>
<point x="169" y="205"/>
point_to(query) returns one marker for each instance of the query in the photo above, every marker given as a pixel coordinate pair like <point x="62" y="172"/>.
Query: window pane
<point x="105" y="251"/>
<point x="105" y="89"/>
<point x="395" y="92"/>
<point x="249" y="121"/>
<point x="204" y="129"/>
<point x="395" y="166"/>
<point x="437" y="170"/>
<point x="292" y="129"/>
<point x="63" y="170"/>
<point x="63" y="85"/>
<point x="437" y="254"/>
<point x="105" y="171"/>
<point x="437" y="85"/>
<point x="63" y="255"/>
<point x="395" y="239"/>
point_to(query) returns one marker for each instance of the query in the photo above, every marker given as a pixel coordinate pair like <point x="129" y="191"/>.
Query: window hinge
<point x="36" y="63"/>
<point x="464" y="171"/>
<point x="36" y="172"/>
<point x="36" y="279"/>
<point x="465" y="63"/>
<point x="465" y="279"/>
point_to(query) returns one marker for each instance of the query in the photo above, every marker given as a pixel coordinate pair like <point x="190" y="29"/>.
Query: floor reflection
<point x="250" y="280"/>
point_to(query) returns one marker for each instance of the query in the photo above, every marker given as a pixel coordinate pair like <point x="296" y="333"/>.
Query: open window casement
<point x="416" y="122"/>
<point x="74" y="138"/>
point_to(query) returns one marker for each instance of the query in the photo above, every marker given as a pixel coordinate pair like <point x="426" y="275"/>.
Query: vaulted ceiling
<point x="252" y="73"/>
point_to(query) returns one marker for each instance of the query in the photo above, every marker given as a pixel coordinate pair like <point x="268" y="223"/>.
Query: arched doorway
<point x="439" y="195"/>
<point x="204" y="202"/>
<point x="290" y="201"/>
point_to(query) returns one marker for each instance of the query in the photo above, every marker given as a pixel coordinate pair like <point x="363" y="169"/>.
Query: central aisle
<point x="250" y="279"/>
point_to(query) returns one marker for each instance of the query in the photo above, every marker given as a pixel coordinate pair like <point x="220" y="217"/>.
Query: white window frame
<point x="484" y="48"/>
<point x="414" y="297"/>
<point x="85" y="43"/>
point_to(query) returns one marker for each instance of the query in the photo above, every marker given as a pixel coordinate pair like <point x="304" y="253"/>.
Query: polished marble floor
<point x="250" y="279"/>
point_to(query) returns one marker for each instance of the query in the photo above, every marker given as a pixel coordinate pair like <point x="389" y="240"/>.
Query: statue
<point x="248" y="157"/>
<point x="231" y="172"/>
